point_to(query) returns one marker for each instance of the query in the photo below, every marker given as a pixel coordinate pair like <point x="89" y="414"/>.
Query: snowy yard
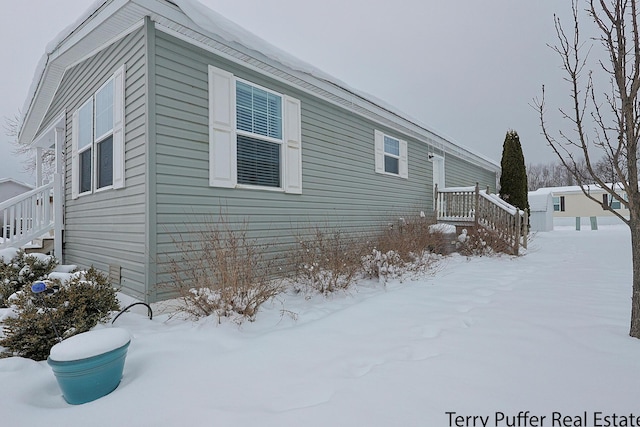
<point x="545" y="333"/>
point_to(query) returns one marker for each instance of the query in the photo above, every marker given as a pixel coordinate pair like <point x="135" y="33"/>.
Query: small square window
<point x="558" y="204"/>
<point x="391" y="155"/>
<point x="615" y="203"/>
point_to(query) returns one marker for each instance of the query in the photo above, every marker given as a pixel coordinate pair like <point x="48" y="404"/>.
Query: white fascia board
<point x="54" y="63"/>
<point x="87" y="27"/>
<point x="46" y="139"/>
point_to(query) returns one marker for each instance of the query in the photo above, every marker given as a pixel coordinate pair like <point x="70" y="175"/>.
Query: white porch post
<point x="39" y="167"/>
<point x="58" y="195"/>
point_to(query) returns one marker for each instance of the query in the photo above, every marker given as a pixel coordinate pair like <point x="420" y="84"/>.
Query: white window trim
<point x="612" y="200"/>
<point x="561" y="203"/>
<point x="403" y="163"/>
<point x="89" y="146"/>
<point x="223" y="134"/>
<point x="117" y="132"/>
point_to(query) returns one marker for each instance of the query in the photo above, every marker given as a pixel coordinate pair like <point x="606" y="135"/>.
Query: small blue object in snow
<point x="38" y="287"/>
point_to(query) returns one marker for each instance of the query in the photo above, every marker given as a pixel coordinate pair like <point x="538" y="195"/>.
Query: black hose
<point x="45" y="309"/>
<point x="150" y="312"/>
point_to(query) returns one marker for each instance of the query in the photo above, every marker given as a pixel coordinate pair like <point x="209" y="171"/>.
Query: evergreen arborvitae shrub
<point x="23" y="269"/>
<point x="79" y="305"/>
<point x="513" y="181"/>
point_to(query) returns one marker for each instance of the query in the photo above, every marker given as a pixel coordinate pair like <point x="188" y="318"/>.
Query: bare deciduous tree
<point x="11" y="129"/>
<point x="552" y="174"/>
<point x="605" y="123"/>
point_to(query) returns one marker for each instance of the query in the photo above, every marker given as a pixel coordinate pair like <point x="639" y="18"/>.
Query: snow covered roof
<point x="540" y="201"/>
<point x="15" y="181"/>
<point x="573" y="189"/>
<point x="106" y="20"/>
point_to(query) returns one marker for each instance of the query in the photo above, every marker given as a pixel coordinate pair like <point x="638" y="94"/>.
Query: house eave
<point x="109" y="19"/>
<point x="112" y="18"/>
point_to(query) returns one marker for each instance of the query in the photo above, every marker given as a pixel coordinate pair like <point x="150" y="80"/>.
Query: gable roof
<point x="15" y="181"/>
<point x="571" y="189"/>
<point x="107" y="20"/>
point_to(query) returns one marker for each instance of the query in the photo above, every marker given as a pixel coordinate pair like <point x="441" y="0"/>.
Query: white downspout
<point x="58" y="195"/>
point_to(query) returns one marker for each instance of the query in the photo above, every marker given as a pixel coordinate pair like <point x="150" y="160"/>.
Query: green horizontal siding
<point x="340" y="186"/>
<point x="109" y="227"/>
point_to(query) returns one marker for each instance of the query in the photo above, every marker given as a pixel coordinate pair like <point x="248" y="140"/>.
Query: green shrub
<point x="40" y="320"/>
<point x="21" y="270"/>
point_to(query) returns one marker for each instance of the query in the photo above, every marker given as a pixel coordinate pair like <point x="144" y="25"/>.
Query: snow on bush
<point x="327" y="260"/>
<point x="22" y="269"/>
<point x="39" y="321"/>
<point x="223" y="272"/>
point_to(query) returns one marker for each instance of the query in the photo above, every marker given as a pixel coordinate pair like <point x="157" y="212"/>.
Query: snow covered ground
<point x="545" y="333"/>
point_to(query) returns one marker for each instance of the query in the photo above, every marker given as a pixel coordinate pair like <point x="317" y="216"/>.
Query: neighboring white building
<point x="10" y="187"/>
<point x="540" y="210"/>
<point x="570" y="202"/>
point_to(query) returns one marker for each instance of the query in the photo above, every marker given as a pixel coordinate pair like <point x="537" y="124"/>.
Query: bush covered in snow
<point x="327" y="260"/>
<point x="222" y="271"/>
<point x="384" y="266"/>
<point x="482" y="242"/>
<point x="22" y="269"/>
<point x="39" y="321"/>
<point x="407" y="245"/>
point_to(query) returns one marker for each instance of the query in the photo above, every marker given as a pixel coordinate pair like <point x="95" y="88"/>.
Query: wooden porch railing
<point x="26" y="216"/>
<point x="470" y="206"/>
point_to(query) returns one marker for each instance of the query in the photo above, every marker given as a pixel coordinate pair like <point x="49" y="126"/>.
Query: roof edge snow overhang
<point x="109" y="20"/>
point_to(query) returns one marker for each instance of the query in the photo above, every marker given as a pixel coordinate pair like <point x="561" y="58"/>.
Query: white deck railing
<point x="471" y="206"/>
<point x="26" y="216"/>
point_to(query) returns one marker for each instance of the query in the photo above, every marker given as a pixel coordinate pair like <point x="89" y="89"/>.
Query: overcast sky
<point x="467" y="68"/>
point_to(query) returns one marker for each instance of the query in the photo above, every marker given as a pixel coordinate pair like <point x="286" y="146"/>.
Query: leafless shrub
<point x="327" y="260"/>
<point x="409" y="237"/>
<point x="222" y="271"/>
<point x="407" y="245"/>
<point x="482" y="242"/>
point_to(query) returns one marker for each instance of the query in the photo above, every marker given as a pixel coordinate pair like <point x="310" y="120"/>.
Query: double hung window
<point x="558" y="204"/>
<point x="97" y="141"/>
<point x="608" y="200"/>
<point x="254" y="136"/>
<point x="259" y="135"/>
<point x="391" y="155"/>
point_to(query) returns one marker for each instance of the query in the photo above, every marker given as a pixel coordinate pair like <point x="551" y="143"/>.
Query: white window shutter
<point x="222" y="129"/>
<point x="404" y="160"/>
<point x="379" y="149"/>
<point x="292" y="146"/>
<point x="118" y="128"/>
<point x="75" y="163"/>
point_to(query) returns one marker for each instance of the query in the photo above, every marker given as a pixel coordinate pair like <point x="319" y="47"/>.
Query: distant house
<point x="163" y="114"/>
<point x="10" y="188"/>
<point x="570" y="202"/>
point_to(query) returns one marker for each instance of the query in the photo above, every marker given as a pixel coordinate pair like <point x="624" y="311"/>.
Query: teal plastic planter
<point x="88" y="366"/>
